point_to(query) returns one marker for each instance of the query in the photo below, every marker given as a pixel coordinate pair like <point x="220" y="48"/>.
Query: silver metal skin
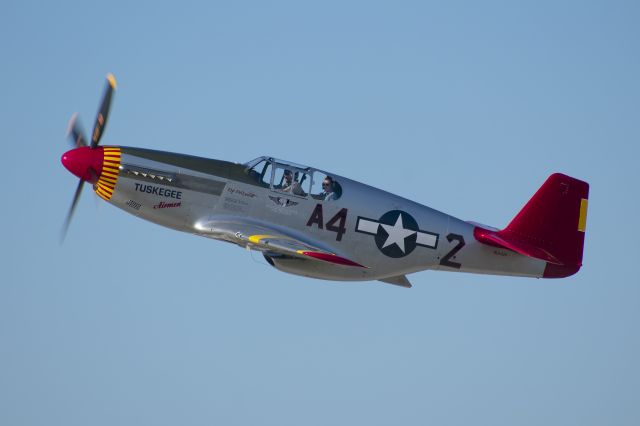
<point x="226" y="201"/>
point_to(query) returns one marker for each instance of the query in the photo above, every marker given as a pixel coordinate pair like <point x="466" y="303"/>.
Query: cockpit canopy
<point x="293" y="179"/>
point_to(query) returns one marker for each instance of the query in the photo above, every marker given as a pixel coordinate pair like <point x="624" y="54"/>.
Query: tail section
<point x="550" y="227"/>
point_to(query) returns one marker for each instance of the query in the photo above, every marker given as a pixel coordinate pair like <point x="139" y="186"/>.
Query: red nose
<point x="84" y="162"/>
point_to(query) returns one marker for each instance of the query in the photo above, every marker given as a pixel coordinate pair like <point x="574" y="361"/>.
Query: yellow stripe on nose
<point x="582" y="222"/>
<point x="110" y="166"/>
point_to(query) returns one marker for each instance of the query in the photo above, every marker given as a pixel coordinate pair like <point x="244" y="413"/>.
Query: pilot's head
<point x="288" y="176"/>
<point x="327" y="184"/>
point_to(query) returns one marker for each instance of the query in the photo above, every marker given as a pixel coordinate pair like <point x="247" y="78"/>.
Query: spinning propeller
<point x="85" y="161"/>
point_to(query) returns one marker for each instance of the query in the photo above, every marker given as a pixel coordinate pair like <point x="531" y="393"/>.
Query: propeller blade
<point x="67" y="221"/>
<point x="75" y="132"/>
<point x="103" y="113"/>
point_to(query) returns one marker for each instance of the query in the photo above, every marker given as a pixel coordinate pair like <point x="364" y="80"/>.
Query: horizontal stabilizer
<point x="498" y="239"/>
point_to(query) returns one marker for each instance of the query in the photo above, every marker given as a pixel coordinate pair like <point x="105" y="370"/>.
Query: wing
<point x="258" y="236"/>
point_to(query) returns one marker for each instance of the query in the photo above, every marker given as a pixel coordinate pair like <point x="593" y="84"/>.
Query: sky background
<point x="463" y="106"/>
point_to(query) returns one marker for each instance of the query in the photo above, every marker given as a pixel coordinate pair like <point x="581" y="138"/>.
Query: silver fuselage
<point x="186" y="193"/>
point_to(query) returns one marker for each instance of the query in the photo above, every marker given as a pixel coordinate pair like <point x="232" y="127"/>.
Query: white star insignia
<point x="397" y="234"/>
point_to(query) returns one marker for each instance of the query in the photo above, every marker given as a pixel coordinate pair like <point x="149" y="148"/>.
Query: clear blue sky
<point x="463" y="106"/>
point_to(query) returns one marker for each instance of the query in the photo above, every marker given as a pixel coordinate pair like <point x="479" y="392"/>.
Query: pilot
<point x="328" y="193"/>
<point x="292" y="185"/>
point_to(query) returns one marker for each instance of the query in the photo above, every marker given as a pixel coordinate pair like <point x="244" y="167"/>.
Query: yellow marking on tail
<point x="582" y="222"/>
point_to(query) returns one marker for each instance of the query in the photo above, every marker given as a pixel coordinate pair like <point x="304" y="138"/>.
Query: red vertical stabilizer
<point x="551" y="226"/>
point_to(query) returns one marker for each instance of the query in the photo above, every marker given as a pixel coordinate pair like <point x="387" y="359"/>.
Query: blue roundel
<point x="397" y="233"/>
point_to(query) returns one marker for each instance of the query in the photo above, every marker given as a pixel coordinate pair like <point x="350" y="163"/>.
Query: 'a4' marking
<point x="340" y="219"/>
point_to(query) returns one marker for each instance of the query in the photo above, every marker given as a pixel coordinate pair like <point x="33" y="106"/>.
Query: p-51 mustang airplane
<point x="317" y="224"/>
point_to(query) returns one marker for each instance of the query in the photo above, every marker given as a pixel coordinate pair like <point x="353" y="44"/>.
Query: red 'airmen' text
<point x="164" y="205"/>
